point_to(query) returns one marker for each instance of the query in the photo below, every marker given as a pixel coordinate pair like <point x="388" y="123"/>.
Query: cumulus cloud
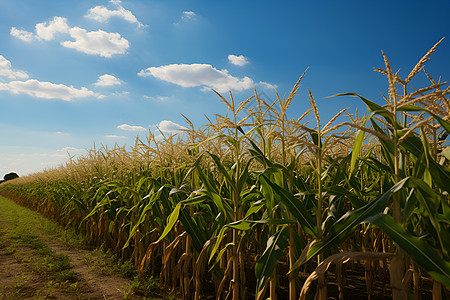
<point x="107" y="80"/>
<point x="7" y="71"/>
<point x="198" y="75"/>
<point x="127" y="127"/>
<point x="102" y="14"/>
<point x="22" y="34"/>
<point x="97" y="42"/>
<point x="48" y="90"/>
<point x="238" y="60"/>
<point x="48" y="30"/>
<point x="169" y="126"/>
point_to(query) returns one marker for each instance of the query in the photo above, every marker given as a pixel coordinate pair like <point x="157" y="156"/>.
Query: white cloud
<point x="120" y="94"/>
<point x="102" y="14"/>
<point x="49" y="90"/>
<point x="22" y="34"/>
<point x="47" y="30"/>
<point x="3" y="86"/>
<point x="70" y="150"/>
<point x="198" y="75"/>
<point x="131" y="128"/>
<point x="7" y="71"/>
<point x="97" y="42"/>
<point x="169" y="126"/>
<point x="111" y="136"/>
<point x="107" y="80"/>
<point x="188" y="15"/>
<point x="239" y="60"/>
<point x="268" y="85"/>
<point x="158" y="98"/>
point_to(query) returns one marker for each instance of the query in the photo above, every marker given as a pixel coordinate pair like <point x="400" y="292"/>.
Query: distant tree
<point x="10" y="176"/>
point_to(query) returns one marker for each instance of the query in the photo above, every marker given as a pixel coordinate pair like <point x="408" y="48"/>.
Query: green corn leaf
<point x="419" y="251"/>
<point x="440" y="176"/>
<point x="446" y="152"/>
<point x="356" y="201"/>
<point x="238" y="225"/>
<point x="346" y="225"/>
<point x="149" y="206"/>
<point x="173" y="218"/>
<point x="198" y="233"/>
<point x="357" y="145"/>
<point x="294" y="205"/>
<point x="258" y="154"/>
<point x="222" y="170"/>
<point x="445" y="124"/>
<point x="315" y="138"/>
<point x="265" y="265"/>
<point x="373" y="107"/>
<point x="255" y="207"/>
<point x="387" y="148"/>
<point x="244" y="175"/>
<point x="212" y="192"/>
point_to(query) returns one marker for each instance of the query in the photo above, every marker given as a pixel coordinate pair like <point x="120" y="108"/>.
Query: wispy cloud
<point x="158" y="98"/>
<point x="107" y="80"/>
<point x="198" y="75"/>
<point x="127" y="127"/>
<point x="7" y="71"/>
<point x="268" y="85"/>
<point x="238" y="60"/>
<point x="102" y="14"/>
<point x="25" y="163"/>
<point x="48" y="90"/>
<point x="186" y="16"/>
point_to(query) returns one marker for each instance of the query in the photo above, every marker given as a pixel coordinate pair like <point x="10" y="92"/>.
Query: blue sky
<point x="77" y="72"/>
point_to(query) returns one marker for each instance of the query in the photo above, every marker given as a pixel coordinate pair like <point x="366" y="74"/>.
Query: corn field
<point x="255" y="199"/>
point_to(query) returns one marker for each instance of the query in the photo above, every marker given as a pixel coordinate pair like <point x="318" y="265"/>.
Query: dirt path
<point x="98" y="285"/>
<point x="34" y="264"/>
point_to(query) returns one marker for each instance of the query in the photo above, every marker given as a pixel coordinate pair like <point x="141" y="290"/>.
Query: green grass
<point x="23" y="229"/>
<point x="108" y="263"/>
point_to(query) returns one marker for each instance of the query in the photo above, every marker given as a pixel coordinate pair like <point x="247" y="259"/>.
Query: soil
<point x="24" y="273"/>
<point x="19" y="278"/>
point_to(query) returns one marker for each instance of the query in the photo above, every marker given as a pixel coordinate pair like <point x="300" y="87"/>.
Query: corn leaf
<point x="173" y="218"/>
<point x="419" y="251"/>
<point x="294" y="205"/>
<point x="346" y="225"/>
<point x="265" y="265"/>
